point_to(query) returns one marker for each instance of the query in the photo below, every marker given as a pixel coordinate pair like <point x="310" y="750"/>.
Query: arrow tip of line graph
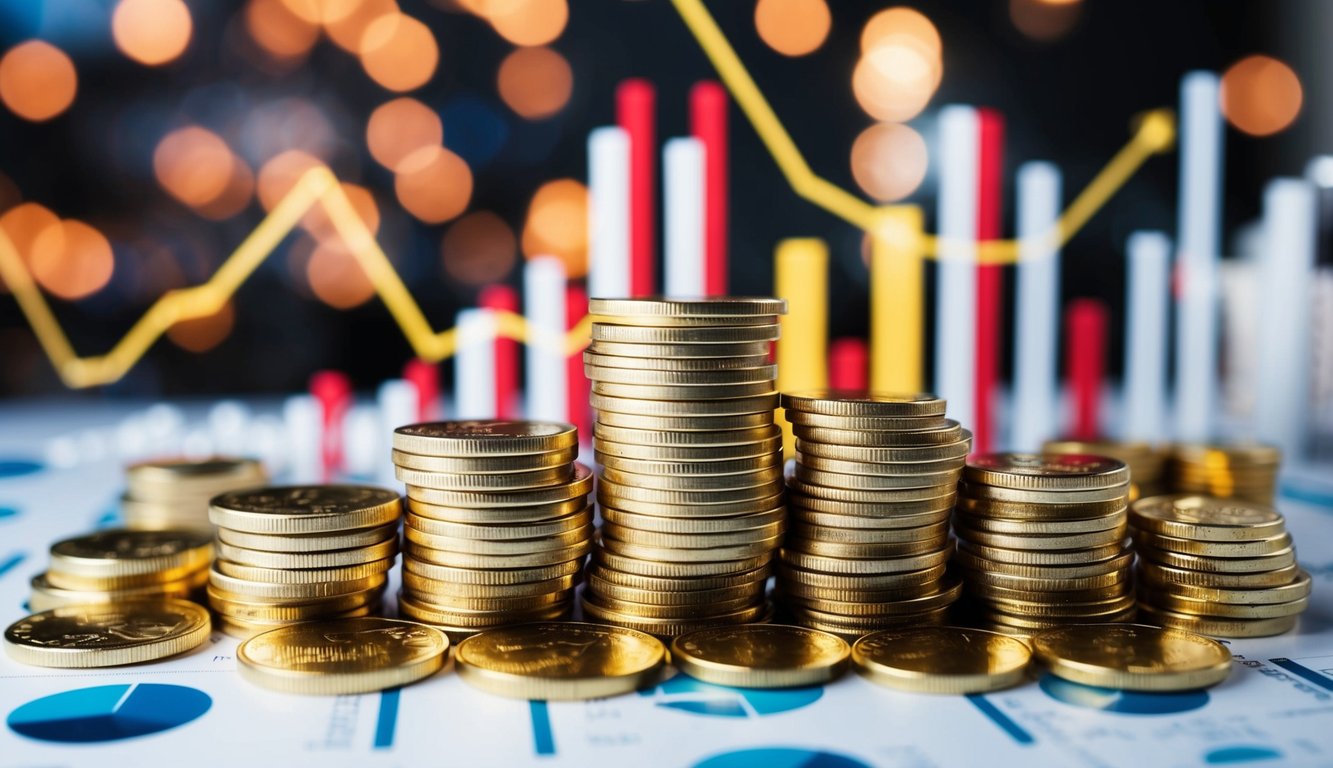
<point x="1157" y="129"/>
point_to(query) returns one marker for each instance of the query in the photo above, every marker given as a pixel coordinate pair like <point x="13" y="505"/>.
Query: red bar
<point x="1085" y="351"/>
<point x="425" y="376"/>
<point x="636" y="114"/>
<point x="849" y="365"/>
<point x="990" y="277"/>
<point x="503" y="298"/>
<point x="576" y="306"/>
<point x="708" y="124"/>
<point x="333" y="390"/>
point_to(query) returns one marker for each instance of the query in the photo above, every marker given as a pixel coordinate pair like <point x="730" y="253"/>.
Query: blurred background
<point x="142" y="140"/>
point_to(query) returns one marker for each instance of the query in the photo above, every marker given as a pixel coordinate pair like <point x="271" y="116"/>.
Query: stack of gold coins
<point x="1242" y="471"/>
<point x="1147" y="464"/>
<point x="116" y="566"/>
<point x="691" y="485"/>
<point x="302" y="553"/>
<point x="1223" y="567"/>
<point x="174" y="493"/>
<point x="1041" y="540"/>
<point x="875" y="480"/>
<point x="498" y="522"/>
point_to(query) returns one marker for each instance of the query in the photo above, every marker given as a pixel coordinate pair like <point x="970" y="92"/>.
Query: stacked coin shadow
<point x="1041" y="540"/>
<point x="869" y="501"/>
<point x="1147" y="464"/>
<point x="498" y="522"/>
<point x="174" y="493"/>
<point x="691" y="463"/>
<point x="1221" y="567"/>
<point x="301" y="553"/>
<point x="120" y="566"/>
<point x="1243" y="471"/>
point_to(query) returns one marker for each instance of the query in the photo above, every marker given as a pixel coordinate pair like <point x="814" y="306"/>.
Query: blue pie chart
<point x="108" y="712"/>
<point x="780" y="757"/>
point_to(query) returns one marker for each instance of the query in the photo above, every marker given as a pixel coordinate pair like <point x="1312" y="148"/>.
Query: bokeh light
<point x="322" y="11"/>
<point x="478" y="249"/>
<point x="557" y="225"/>
<point x="22" y="224"/>
<point x="280" y="174"/>
<point x="900" y="67"/>
<point x="400" y="127"/>
<point x="399" y="52"/>
<point x="889" y="161"/>
<point x="194" y="165"/>
<point x="1261" y="95"/>
<point x="37" y="80"/>
<point x="234" y="199"/>
<point x="318" y="223"/>
<point x="347" y="31"/>
<point x="793" y="27"/>
<point x="71" y="260"/>
<point x="152" y="32"/>
<point x="336" y="277"/>
<point x="1045" y="20"/>
<point x="535" y="82"/>
<point x="433" y="184"/>
<point x="203" y="333"/>
<point x="526" y="22"/>
<point x="278" y="30"/>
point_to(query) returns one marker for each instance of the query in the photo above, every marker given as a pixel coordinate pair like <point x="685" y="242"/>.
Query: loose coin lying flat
<point x="1132" y="657"/>
<point x="344" y="656"/>
<point x="761" y="656"/>
<point x="121" y="553"/>
<point x="942" y="660"/>
<point x="85" y="636"/>
<point x="560" y="660"/>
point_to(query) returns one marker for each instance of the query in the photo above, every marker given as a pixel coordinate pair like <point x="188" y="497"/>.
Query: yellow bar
<point x="801" y="277"/>
<point x="896" y="296"/>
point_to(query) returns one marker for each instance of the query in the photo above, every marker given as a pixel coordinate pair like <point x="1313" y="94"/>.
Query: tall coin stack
<point x="1241" y="471"/>
<point x="691" y="485"/>
<point x="875" y="481"/>
<point x="174" y="493"/>
<point x="1221" y="567"/>
<point x="118" y="565"/>
<point x="498" y="522"/>
<point x="300" y="553"/>
<point x="1147" y="464"/>
<point x="1041" y="540"/>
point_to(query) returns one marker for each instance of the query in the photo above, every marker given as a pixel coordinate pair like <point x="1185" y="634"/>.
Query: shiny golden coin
<point x="338" y="558"/>
<point x="1028" y="511"/>
<point x="269" y="575"/>
<point x="733" y="406"/>
<point x="1295" y="589"/>
<point x="1004" y="594"/>
<point x="1038" y="583"/>
<point x="850" y="403"/>
<point x="609" y="500"/>
<point x="281" y="591"/>
<point x="810" y="476"/>
<point x="947" y="660"/>
<point x="673" y="570"/>
<point x="1039" y="527"/>
<point x="716" y="335"/>
<point x="663" y="554"/>
<point x="945" y="594"/>
<point x="476" y="620"/>
<point x="484" y="438"/>
<point x="523" y="462"/>
<point x="1046" y="472"/>
<point x="685" y="612"/>
<point x="1281" y="559"/>
<point x="343" y="657"/>
<point x="662" y="307"/>
<point x="1132" y="657"/>
<point x="742" y="499"/>
<point x="310" y="542"/>
<point x="921" y="578"/>
<point x="243" y="610"/>
<point x="771" y="462"/>
<point x="872" y="513"/>
<point x="685" y="429"/>
<point x="666" y="397"/>
<point x="1206" y="519"/>
<point x="1207" y="608"/>
<point x="85" y="636"/>
<point x="305" y="509"/>
<point x="937" y="494"/>
<point x="1249" y="548"/>
<point x="45" y="595"/>
<point x="851" y="550"/>
<point x="526" y="560"/>
<point x="434" y="590"/>
<point x="504" y="547"/>
<point x="740" y="481"/>
<point x="947" y="434"/>
<point x="1033" y="623"/>
<point x="693" y="453"/>
<point x="560" y="661"/>
<point x="873" y="566"/>
<point x="937" y="532"/>
<point x="801" y="592"/>
<point x="500" y="576"/>
<point x="871" y="423"/>
<point x="685" y="321"/>
<point x="1219" y="627"/>
<point x="1118" y="564"/>
<point x="190" y="479"/>
<point x="1222" y="456"/>
<point x="930" y="453"/>
<point x="610" y="591"/>
<point x="242" y="629"/>
<point x="800" y="514"/>
<point x="693" y="525"/>
<point x="123" y="553"/>
<point x="578" y="486"/>
<point x="491" y="605"/>
<point x="532" y="514"/>
<point x="666" y="585"/>
<point x="1042" y="557"/>
<point x="501" y="531"/>
<point x="995" y="493"/>
<point x="62" y="580"/>
<point x="670" y="627"/>
<point x="594" y="357"/>
<point x="506" y="482"/>
<point x="617" y="440"/>
<point x="1043" y="541"/>
<point x="761" y="656"/>
<point x="878" y="468"/>
<point x="860" y="625"/>
<point x="711" y="379"/>
<point x="1044" y="609"/>
<point x="686" y="351"/>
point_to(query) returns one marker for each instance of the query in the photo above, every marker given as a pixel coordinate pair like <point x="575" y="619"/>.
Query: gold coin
<point x="578" y="486"/>
<point x="769" y="462"/>
<point x="165" y="480"/>
<point x="530" y="514"/>
<point x="860" y="625"/>
<point x="667" y="362"/>
<point x="1042" y="557"/>
<point x="769" y="446"/>
<point x="798" y="512"/>
<point x="707" y="335"/>
<point x="761" y="534"/>
<point x="847" y="550"/>
<point x="663" y="584"/>
<point x="1132" y="657"/>
<point x="685" y="351"/>
<point x="872" y="513"/>
<point x="343" y="657"/>
<point x="45" y="595"/>
<point x="309" y="542"/>
<point x="684" y="428"/>
<point x="524" y="560"/>
<point x="1250" y="548"/>
<point x="875" y="566"/>
<point x="670" y="627"/>
<point x="1297" y="588"/>
<point x="339" y="558"/>
<point x="305" y="509"/>
<point x="789" y="574"/>
<point x="661" y="554"/>
<point x="1281" y="559"/>
<point x="506" y="482"/>
<point x="668" y="396"/>
<point x="1085" y="609"/>
<point x="484" y="438"/>
<point x="1219" y="627"/>
<point x="672" y="570"/>
<point x="878" y="468"/>
<point x="616" y="440"/>
<point x="761" y="656"/>
<point x="760" y="496"/>
<point x="477" y="620"/>
<point x="945" y="593"/>
<point x="1038" y="623"/>
<point x="523" y="462"/>
<point x="692" y="525"/>
<point x="685" y="321"/>
<point x="506" y="547"/>
<point x="1005" y="594"/>
<point x="675" y="612"/>
<point x="740" y="481"/>
<point x="85" y="636"/>
<point x="855" y="496"/>
<point x="62" y="580"/>
<point x="869" y="423"/>
<point x="282" y="591"/>
<point x="563" y="661"/>
<point x="800" y="591"/>
<point x="498" y="605"/>
<point x="991" y="578"/>
<point x="1046" y="471"/>
<point x="874" y="482"/>
<point x="660" y="308"/>
<point x="1222" y="456"/>
<point x="429" y="590"/>
<point x="1206" y="519"/>
<point x="243" y="629"/>
<point x="848" y="403"/>
<point x="261" y="611"/>
<point x="711" y="379"/>
<point x="607" y="499"/>
<point x="947" y="660"/>
<point x="1117" y="564"/>
<point x="937" y="532"/>
<point x="1207" y="608"/>
<point x="659" y="407"/>
<point x="1027" y="511"/>
<point x="306" y="576"/>
<point x="1043" y="541"/>
<point x="501" y="531"/>
<point x="948" y="434"/>
<point x="929" y="453"/>
<point x="1009" y="526"/>
<point x="502" y="576"/>
<point x="610" y="591"/>
<point x="124" y="553"/>
<point x="996" y="493"/>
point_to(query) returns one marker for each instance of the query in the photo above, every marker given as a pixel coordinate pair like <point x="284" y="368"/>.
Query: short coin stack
<point x="300" y="553"/>
<point x="498" y="522"/>
<point x="1041" y="540"/>
<point x="174" y="493"/>
<point x="1223" y="567"/>
<point x="1147" y="465"/>
<point x="1243" y="471"/>
<point x="117" y="566"/>
<point x="691" y="485"/>
<point x="875" y="482"/>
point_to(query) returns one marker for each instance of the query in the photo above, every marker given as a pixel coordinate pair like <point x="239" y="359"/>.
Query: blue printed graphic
<point x="1244" y="753"/>
<point x="108" y="712"/>
<point x="686" y="694"/>
<point x="8" y="512"/>
<point x="780" y="757"/>
<point x="1122" y="702"/>
<point x="19" y="467"/>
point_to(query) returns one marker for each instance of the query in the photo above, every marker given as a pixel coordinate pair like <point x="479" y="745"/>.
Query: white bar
<point x="1282" y="408"/>
<point x="956" y="294"/>
<point x="303" y="420"/>
<point x="608" y="213"/>
<point x="1037" y="326"/>
<point x="474" y="365"/>
<point x="544" y="297"/>
<point x="396" y="400"/>
<point x="683" y="172"/>
<point x="364" y="446"/>
<point x="1320" y="171"/>
<point x="1146" y="310"/>
<point x="1198" y="235"/>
